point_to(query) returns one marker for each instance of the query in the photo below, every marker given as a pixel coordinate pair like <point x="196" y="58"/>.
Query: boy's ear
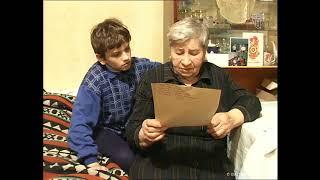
<point x="100" y="59"/>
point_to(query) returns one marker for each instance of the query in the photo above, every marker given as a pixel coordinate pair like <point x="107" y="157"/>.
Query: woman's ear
<point x="100" y="59"/>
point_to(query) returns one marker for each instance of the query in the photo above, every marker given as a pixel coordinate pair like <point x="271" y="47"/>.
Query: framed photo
<point x="239" y="51"/>
<point x="255" y="49"/>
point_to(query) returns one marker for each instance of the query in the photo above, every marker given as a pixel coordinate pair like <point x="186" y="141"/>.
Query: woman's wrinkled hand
<point x="220" y="126"/>
<point x="151" y="131"/>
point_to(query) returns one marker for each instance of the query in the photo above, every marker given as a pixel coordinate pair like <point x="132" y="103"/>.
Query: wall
<point x="67" y="24"/>
<point x="167" y="22"/>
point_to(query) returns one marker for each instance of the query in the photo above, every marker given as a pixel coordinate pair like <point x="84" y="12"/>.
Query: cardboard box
<point x="268" y="91"/>
<point x="265" y="96"/>
<point x="269" y="84"/>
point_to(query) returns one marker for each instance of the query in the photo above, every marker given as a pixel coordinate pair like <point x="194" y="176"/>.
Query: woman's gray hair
<point x="188" y="28"/>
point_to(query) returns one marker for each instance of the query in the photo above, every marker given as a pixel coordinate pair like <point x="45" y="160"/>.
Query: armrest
<point x="250" y="145"/>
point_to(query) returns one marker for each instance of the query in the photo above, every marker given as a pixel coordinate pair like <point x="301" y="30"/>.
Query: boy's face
<point x="119" y="59"/>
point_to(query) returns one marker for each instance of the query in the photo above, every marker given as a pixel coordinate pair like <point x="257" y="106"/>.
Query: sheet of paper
<point x="180" y="105"/>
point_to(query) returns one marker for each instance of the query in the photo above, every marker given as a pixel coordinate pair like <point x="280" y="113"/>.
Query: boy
<point x="105" y="97"/>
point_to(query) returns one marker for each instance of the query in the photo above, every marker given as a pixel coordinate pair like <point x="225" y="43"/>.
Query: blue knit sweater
<point x="104" y="100"/>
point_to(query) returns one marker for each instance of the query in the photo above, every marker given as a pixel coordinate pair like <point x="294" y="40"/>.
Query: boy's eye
<point x="117" y="54"/>
<point x="127" y="49"/>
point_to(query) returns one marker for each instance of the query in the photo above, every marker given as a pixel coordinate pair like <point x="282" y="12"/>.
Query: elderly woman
<point x="187" y="152"/>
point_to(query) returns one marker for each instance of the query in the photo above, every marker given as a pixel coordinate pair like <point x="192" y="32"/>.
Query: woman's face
<point x="187" y="58"/>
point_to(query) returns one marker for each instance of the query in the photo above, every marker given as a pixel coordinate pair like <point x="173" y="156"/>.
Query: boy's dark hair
<point x="109" y="34"/>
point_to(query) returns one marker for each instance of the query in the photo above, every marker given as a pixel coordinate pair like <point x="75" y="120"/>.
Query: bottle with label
<point x="211" y="47"/>
<point x="211" y="50"/>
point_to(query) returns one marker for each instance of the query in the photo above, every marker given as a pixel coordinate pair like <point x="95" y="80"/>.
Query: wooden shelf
<point x="251" y="67"/>
<point x="251" y="78"/>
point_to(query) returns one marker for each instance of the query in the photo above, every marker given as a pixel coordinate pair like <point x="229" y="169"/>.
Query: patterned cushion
<point x="58" y="100"/>
<point x="59" y="161"/>
<point x="56" y="119"/>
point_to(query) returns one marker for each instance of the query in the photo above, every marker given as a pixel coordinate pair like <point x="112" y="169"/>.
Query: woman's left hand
<point x="220" y="126"/>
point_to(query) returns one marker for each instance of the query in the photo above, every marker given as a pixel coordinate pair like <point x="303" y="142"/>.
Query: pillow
<point x="58" y="100"/>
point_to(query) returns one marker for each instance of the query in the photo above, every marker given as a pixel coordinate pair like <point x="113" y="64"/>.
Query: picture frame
<point x="238" y="55"/>
<point x="255" y="48"/>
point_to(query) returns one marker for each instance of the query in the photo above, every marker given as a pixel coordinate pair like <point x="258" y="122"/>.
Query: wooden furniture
<point x="250" y="78"/>
<point x="246" y="77"/>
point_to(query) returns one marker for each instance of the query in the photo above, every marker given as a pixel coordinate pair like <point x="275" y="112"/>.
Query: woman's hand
<point x="150" y="132"/>
<point x="222" y="123"/>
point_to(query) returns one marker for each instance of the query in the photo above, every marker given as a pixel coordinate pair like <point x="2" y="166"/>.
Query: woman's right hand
<point x="150" y="132"/>
<point x="97" y="166"/>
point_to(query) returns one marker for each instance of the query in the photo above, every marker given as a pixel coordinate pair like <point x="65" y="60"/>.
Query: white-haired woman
<point x="187" y="152"/>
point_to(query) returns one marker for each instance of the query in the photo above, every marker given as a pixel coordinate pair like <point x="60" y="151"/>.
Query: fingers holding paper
<point x="151" y="131"/>
<point x="220" y="126"/>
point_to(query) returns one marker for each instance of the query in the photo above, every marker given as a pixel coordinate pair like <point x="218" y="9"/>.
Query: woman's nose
<point x="186" y="61"/>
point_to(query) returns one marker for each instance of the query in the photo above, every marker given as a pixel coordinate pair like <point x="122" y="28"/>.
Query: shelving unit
<point x="246" y="76"/>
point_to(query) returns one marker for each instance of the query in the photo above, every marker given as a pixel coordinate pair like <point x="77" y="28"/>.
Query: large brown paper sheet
<point x="180" y="105"/>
